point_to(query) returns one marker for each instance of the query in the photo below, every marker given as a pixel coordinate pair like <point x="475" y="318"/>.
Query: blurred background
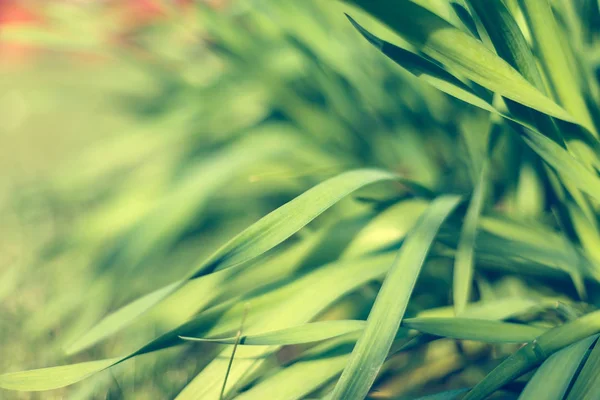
<point x="137" y="136"/>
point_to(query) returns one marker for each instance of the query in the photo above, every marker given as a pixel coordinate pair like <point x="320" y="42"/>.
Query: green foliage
<point x="418" y="218"/>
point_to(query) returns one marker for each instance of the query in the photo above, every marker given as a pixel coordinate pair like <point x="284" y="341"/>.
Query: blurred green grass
<point x="129" y="153"/>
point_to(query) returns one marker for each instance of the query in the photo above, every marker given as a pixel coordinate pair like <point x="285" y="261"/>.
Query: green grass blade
<point x="460" y="52"/>
<point x="299" y="307"/>
<point x="553" y="377"/>
<point x="464" y="259"/>
<point x="387" y="313"/>
<point x="53" y="377"/>
<point x="545" y="32"/>
<point x="447" y="395"/>
<point x="425" y="70"/>
<point x="444" y="81"/>
<point x="116" y="320"/>
<point x="307" y="333"/>
<point x="474" y="329"/>
<point x="297" y="380"/>
<point x="262" y="236"/>
<point x="456" y="328"/>
<point x="587" y="385"/>
<point x="536" y="352"/>
<point x="559" y="159"/>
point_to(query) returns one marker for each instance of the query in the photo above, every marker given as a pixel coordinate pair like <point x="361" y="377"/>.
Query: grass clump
<point x="394" y="221"/>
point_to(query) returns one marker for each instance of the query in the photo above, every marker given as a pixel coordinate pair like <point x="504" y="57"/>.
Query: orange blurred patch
<point x="14" y="13"/>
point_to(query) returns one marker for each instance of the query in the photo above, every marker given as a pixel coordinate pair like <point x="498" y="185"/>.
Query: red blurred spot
<point x="13" y="13"/>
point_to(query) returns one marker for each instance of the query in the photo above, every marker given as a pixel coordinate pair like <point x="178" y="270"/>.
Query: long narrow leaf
<point x="536" y="352"/>
<point x="463" y="263"/>
<point x="262" y="236"/>
<point x="552" y="378"/>
<point x="387" y="313"/>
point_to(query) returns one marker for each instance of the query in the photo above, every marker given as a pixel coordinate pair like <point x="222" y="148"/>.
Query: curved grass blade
<point x="448" y="395"/>
<point x="455" y="328"/>
<point x="116" y="320"/>
<point x="337" y="279"/>
<point x="545" y="32"/>
<point x="425" y="69"/>
<point x="331" y="282"/>
<point x="297" y="380"/>
<point x="536" y="352"/>
<point x="53" y="377"/>
<point x="553" y="377"/>
<point x="559" y="159"/>
<point x="311" y="332"/>
<point x="387" y="228"/>
<point x="464" y="259"/>
<point x="587" y="385"/>
<point x="460" y="52"/>
<point x="257" y="239"/>
<point x="387" y="312"/>
<point x="474" y="329"/>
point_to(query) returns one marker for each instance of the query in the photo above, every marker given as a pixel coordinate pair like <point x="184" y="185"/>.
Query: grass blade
<point x="536" y="352"/>
<point x="307" y="333"/>
<point x="587" y="385"/>
<point x="425" y="70"/>
<point x="387" y="313"/>
<point x="54" y="377"/>
<point x="554" y="376"/>
<point x="460" y="52"/>
<point x="474" y="329"/>
<point x="464" y="259"/>
<point x="260" y="237"/>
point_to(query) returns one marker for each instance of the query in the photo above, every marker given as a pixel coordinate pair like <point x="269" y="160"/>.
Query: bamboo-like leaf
<point x="553" y="377"/>
<point x="536" y="352"/>
<point x="460" y="52"/>
<point x="464" y="259"/>
<point x="387" y="312"/>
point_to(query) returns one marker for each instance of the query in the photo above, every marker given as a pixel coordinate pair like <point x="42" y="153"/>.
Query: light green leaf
<point x="307" y="333"/>
<point x="536" y="352"/>
<point x="456" y="328"/>
<point x="299" y="306"/>
<point x="554" y="376"/>
<point x="555" y="60"/>
<point x="587" y="385"/>
<point x="460" y="52"/>
<point x="387" y="228"/>
<point x="474" y="329"/>
<point x="297" y="380"/>
<point x="257" y="239"/>
<point x="464" y="259"/>
<point x="53" y="377"/>
<point x="559" y="159"/>
<point x="387" y="312"/>
<point x="425" y="70"/>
